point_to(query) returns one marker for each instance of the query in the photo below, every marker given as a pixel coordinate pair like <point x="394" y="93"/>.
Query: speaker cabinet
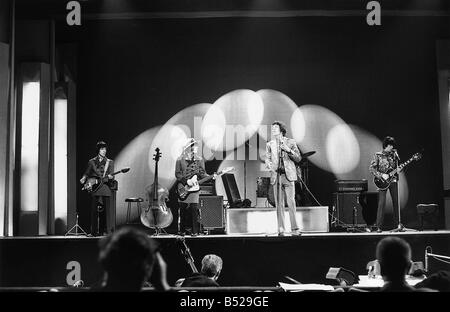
<point x="211" y="212"/>
<point x="355" y="208"/>
<point x="347" y="209"/>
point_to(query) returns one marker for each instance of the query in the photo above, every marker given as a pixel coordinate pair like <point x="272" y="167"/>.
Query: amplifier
<point x="350" y="186"/>
<point x="207" y="189"/>
<point x="212" y="212"/>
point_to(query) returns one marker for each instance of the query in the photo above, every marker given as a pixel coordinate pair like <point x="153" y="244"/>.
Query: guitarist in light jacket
<point x="382" y="163"/>
<point x="188" y="165"/>
<point x="100" y="167"/>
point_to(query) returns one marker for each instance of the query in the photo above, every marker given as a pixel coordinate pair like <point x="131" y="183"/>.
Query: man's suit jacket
<point x="288" y="159"/>
<point x="96" y="168"/>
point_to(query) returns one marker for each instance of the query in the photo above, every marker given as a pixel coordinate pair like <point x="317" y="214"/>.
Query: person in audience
<point x="438" y="281"/>
<point x="130" y="258"/>
<point x="210" y="272"/>
<point x="394" y="256"/>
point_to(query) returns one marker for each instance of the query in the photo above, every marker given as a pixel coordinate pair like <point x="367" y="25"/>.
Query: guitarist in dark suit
<point x="188" y="165"/>
<point x="382" y="163"/>
<point x="100" y="168"/>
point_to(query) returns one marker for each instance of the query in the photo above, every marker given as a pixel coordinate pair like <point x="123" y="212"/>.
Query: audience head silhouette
<point x="127" y="256"/>
<point x="212" y="266"/>
<point x="394" y="256"/>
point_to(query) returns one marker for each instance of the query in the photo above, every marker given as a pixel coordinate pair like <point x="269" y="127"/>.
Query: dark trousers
<point x="189" y="217"/>
<point x="100" y="210"/>
<point x="393" y="189"/>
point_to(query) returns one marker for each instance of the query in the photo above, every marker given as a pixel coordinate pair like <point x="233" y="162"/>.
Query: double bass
<point x="157" y="215"/>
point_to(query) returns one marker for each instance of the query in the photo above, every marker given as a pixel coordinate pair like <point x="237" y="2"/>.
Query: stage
<point x="260" y="260"/>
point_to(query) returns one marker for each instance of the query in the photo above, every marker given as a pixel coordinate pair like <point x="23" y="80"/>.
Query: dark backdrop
<point x="136" y="74"/>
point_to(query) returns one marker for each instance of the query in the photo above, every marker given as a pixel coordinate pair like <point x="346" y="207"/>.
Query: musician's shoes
<point x="379" y="230"/>
<point x="194" y="234"/>
<point x="281" y="234"/>
<point x="296" y="233"/>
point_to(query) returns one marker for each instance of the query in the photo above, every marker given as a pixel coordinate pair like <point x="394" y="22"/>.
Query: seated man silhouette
<point x="211" y="268"/>
<point x="439" y="281"/>
<point x="130" y="258"/>
<point x="394" y="256"/>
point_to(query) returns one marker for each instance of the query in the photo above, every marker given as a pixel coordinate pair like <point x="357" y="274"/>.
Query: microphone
<point x="396" y="155"/>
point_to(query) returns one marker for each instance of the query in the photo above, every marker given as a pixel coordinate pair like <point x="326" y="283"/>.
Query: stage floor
<point x="249" y="259"/>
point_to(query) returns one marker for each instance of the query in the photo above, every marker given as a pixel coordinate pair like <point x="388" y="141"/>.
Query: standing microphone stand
<point x="400" y="227"/>
<point x="78" y="229"/>
<point x="278" y="197"/>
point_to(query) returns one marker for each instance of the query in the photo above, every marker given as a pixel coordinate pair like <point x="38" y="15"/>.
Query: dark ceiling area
<point x="37" y="9"/>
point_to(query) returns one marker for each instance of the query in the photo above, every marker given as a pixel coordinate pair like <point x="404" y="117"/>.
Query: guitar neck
<point x="401" y="167"/>
<point x="205" y="179"/>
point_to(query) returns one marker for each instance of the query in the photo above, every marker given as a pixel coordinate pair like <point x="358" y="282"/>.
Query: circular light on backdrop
<point x="342" y="149"/>
<point x="298" y="126"/>
<point x="213" y="128"/>
<point x="170" y="140"/>
<point x="132" y="184"/>
<point x="277" y="106"/>
<point x="190" y="119"/>
<point x="232" y="120"/>
<point x="318" y="121"/>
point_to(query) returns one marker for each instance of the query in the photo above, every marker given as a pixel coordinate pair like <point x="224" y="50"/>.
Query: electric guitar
<point x="93" y="184"/>
<point x="383" y="184"/>
<point x="193" y="184"/>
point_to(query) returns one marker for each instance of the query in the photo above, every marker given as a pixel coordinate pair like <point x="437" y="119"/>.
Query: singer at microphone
<point x="281" y="155"/>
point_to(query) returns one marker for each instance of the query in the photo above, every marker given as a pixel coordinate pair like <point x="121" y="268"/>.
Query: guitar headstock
<point x="416" y="156"/>
<point x="157" y="154"/>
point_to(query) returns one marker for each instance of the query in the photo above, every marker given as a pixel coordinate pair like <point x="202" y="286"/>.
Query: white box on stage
<point x="260" y="220"/>
<point x="313" y="219"/>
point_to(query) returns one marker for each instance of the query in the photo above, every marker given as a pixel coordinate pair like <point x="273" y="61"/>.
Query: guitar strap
<point x="106" y="167"/>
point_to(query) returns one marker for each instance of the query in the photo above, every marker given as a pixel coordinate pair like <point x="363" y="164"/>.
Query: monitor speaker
<point x="211" y="212"/>
<point x="231" y="189"/>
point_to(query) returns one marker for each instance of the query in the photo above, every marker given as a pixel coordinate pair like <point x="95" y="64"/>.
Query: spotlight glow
<point x="213" y="128"/>
<point x="132" y="184"/>
<point x="190" y="119"/>
<point x="170" y="140"/>
<point x="232" y="120"/>
<point x="342" y="149"/>
<point x="298" y="126"/>
<point x="277" y="106"/>
<point x="316" y="122"/>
